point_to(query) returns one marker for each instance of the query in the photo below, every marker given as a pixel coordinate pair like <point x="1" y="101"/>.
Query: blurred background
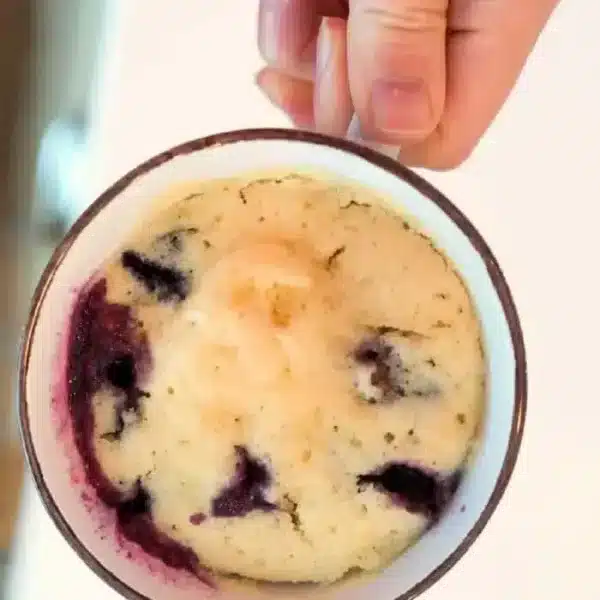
<point x="49" y="54"/>
<point x="71" y="70"/>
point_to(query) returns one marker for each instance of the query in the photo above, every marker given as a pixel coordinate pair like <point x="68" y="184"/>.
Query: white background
<point x="178" y="70"/>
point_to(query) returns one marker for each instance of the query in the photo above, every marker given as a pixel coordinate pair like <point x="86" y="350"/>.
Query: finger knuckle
<point x="412" y="16"/>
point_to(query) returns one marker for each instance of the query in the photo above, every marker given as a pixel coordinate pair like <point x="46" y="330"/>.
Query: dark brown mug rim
<point x="375" y="158"/>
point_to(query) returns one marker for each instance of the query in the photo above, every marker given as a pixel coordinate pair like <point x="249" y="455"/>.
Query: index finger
<point x="288" y="30"/>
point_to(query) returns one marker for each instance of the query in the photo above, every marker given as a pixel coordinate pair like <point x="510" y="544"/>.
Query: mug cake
<point x="277" y="377"/>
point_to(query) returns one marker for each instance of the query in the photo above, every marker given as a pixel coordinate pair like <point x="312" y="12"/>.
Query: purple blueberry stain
<point x="379" y="370"/>
<point x="134" y="515"/>
<point x="166" y="282"/>
<point x="381" y="373"/>
<point x="121" y="374"/>
<point x="246" y="491"/>
<point x="416" y="489"/>
<point x="197" y="518"/>
<point x="134" y="505"/>
<point x="108" y="349"/>
<point x="371" y="350"/>
<point x="100" y="336"/>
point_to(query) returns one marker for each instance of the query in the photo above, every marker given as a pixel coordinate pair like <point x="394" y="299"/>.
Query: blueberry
<point x="246" y="492"/>
<point x="168" y="283"/>
<point x="121" y="372"/>
<point x="372" y="350"/>
<point x="414" y="488"/>
<point x="379" y="375"/>
<point x="138" y="504"/>
<point x="384" y="370"/>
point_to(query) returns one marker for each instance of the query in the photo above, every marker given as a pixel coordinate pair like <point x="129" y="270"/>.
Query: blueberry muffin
<point x="277" y="378"/>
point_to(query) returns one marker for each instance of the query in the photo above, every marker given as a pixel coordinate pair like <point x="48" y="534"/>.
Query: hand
<point x="427" y="75"/>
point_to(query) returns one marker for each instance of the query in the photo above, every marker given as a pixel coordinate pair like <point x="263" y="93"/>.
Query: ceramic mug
<point x="101" y="230"/>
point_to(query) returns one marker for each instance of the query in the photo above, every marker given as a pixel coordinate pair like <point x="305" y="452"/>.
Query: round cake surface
<point x="277" y="377"/>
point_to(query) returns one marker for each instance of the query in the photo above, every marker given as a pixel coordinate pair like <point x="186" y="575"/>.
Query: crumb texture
<point x="277" y="378"/>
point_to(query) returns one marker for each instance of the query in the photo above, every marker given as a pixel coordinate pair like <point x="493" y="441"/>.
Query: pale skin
<point x="426" y="75"/>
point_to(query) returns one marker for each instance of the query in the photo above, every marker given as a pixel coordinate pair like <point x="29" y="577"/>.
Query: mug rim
<point x="389" y="165"/>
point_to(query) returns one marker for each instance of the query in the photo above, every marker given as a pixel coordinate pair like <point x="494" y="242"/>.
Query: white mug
<point x="102" y="229"/>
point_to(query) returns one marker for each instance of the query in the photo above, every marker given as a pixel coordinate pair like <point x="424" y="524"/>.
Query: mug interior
<point x="100" y="232"/>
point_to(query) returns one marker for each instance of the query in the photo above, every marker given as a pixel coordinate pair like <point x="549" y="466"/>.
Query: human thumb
<point x="397" y="67"/>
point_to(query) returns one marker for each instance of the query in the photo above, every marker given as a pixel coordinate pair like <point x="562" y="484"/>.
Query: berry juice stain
<point x="107" y="349"/>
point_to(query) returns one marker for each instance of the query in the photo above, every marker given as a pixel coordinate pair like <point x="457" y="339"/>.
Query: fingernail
<point x="401" y="105"/>
<point x="354" y="134"/>
<point x="268" y="30"/>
